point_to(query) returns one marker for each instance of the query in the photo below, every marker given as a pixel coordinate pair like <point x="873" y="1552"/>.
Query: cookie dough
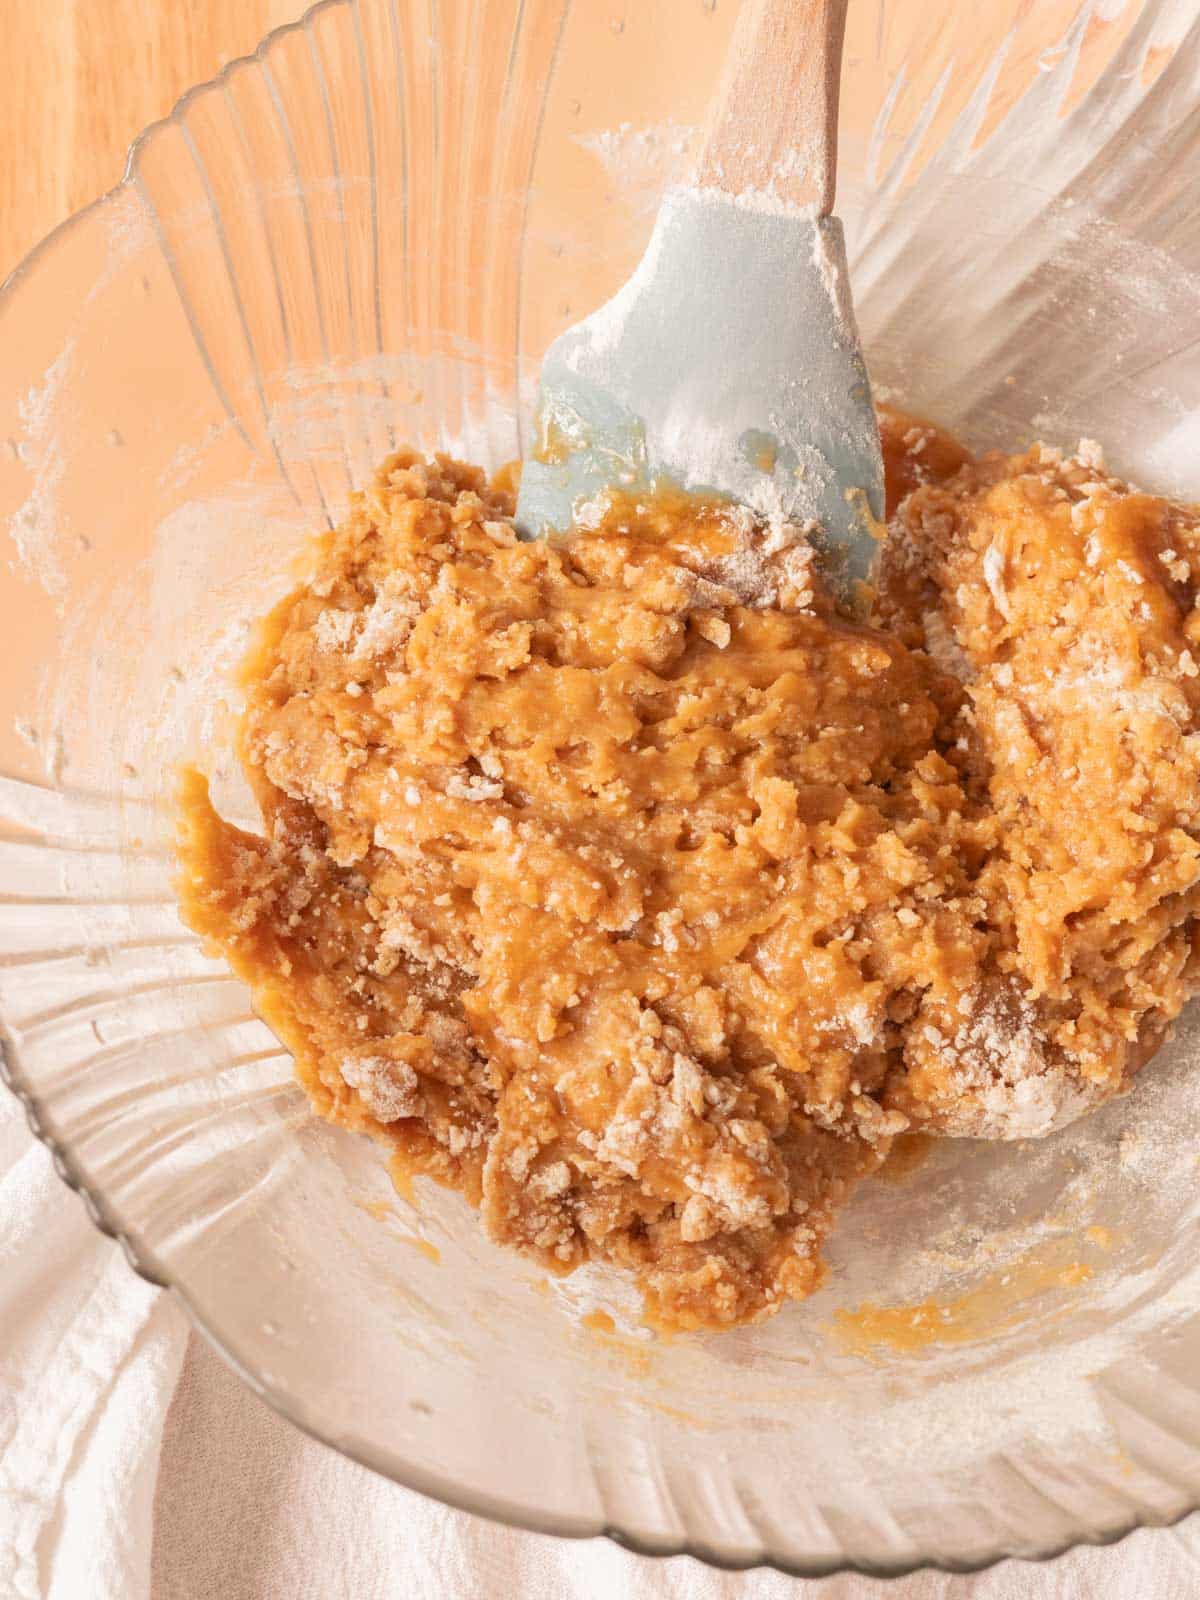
<point x="623" y="885"/>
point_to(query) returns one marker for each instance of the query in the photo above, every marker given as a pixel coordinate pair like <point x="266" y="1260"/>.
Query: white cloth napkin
<point x="134" y="1466"/>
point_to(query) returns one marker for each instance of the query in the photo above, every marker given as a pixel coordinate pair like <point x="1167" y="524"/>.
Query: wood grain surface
<point x="785" y="61"/>
<point x="84" y="77"/>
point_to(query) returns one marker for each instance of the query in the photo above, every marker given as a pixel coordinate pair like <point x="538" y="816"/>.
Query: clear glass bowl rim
<point x="143" y="1262"/>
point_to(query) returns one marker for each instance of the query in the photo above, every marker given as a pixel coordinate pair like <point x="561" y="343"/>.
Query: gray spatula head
<point x="728" y="364"/>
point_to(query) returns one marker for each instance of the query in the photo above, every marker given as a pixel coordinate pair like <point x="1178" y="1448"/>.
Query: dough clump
<point x="623" y="885"/>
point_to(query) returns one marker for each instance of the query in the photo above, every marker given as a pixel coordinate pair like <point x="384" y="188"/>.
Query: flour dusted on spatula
<point x="772" y="201"/>
<point x="691" y="377"/>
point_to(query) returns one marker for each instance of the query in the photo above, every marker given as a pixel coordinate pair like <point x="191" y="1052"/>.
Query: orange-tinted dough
<point x="621" y="884"/>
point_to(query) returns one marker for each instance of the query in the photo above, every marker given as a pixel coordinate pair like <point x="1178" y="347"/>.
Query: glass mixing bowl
<point x="367" y="233"/>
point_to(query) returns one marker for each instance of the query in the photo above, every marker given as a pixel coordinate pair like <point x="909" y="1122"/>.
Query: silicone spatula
<point x="730" y="362"/>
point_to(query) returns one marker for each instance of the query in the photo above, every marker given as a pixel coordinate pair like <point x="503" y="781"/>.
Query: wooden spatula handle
<point x="773" y="127"/>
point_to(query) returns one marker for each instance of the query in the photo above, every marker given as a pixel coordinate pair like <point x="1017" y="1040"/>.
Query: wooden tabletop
<point x="77" y="92"/>
<point x="83" y="77"/>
